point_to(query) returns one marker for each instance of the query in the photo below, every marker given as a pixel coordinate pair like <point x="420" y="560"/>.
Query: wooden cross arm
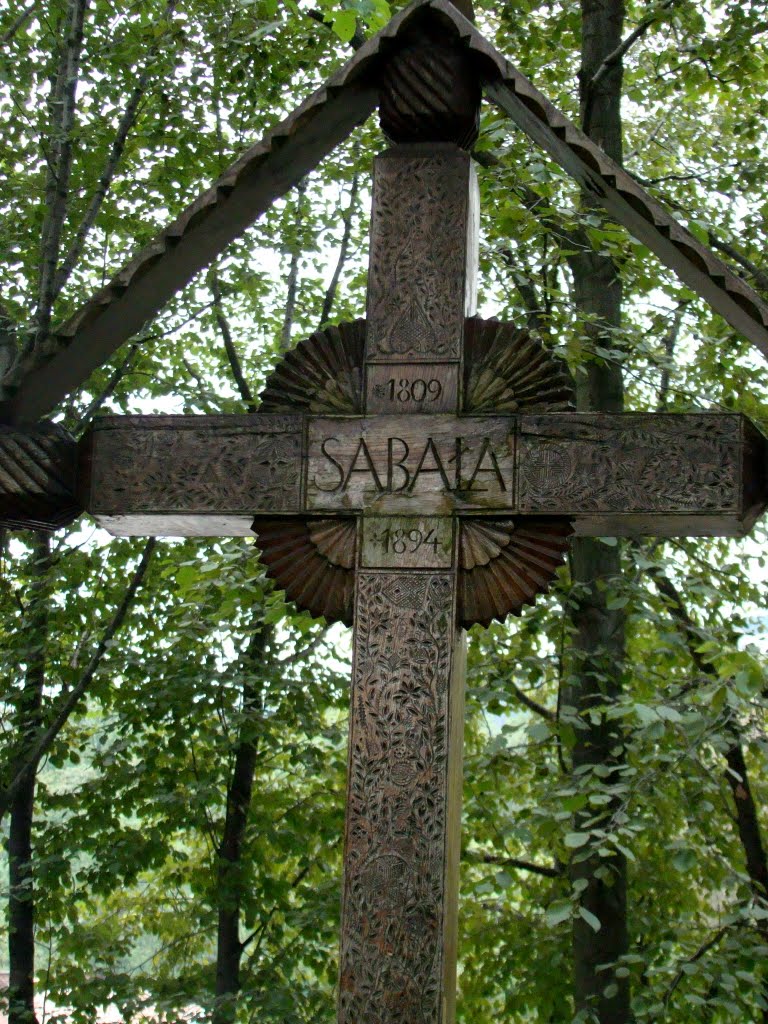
<point x="618" y="475"/>
<point x="38" y="472"/>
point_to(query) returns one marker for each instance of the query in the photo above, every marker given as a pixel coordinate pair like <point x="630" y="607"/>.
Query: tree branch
<point x="670" y="340"/>
<point x="700" y="952"/>
<point x="234" y="359"/>
<point x="358" y="37"/>
<point x="62" y="104"/>
<point x="532" y="705"/>
<point x="8" y="340"/>
<point x="512" y="862"/>
<point x="40" y="746"/>
<point x="258" y="932"/>
<point x="617" y="55"/>
<point x="573" y="237"/>
<point x="106" y="177"/>
<point x="526" y="289"/>
<point x="330" y="295"/>
<point x="125" y="125"/>
<point x="293" y="272"/>
<point x="747" y="822"/>
<point x="759" y="276"/>
<point x="18" y="24"/>
<point x="736" y="775"/>
<point x="111" y="386"/>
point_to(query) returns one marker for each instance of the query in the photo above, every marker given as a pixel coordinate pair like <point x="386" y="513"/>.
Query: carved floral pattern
<point x="416" y="279"/>
<point x="652" y="464"/>
<point x="198" y="470"/>
<point x="392" y="941"/>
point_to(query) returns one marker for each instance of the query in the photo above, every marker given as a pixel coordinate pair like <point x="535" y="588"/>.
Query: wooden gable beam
<point x="269" y="169"/>
<point x="264" y="173"/>
<point x="623" y="197"/>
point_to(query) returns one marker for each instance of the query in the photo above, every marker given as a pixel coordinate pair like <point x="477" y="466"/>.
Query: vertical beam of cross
<point x="399" y="916"/>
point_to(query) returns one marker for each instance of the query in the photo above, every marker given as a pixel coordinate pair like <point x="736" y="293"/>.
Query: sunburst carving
<point x="522" y="568"/>
<point x="507" y="370"/>
<point x="482" y="540"/>
<point x="294" y="560"/>
<point x="335" y="540"/>
<point x="323" y="374"/>
<point x="503" y="563"/>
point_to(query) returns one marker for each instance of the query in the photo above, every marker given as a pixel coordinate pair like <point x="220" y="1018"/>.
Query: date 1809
<point x="405" y="390"/>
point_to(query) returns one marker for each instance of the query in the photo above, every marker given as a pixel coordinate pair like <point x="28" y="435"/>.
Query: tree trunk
<point x="736" y="773"/>
<point x="21" y="902"/>
<point x="230" y="884"/>
<point x="598" y="642"/>
<point x="747" y="821"/>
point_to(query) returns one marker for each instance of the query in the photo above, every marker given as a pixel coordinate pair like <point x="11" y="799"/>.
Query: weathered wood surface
<point x="401" y="856"/>
<point x="38" y="472"/>
<point x="398" y="951"/>
<point x="407" y="542"/>
<point x="437" y="464"/>
<point x="323" y="374"/>
<point x="312" y="561"/>
<point x="190" y="475"/>
<point x="697" y="474"/>
<point x="411" y="387"/>
<point x="669" y="475"/>
<point x="422" y="272"/>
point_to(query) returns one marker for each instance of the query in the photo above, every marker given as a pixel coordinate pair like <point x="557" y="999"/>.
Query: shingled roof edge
<point x="272" y="166"/>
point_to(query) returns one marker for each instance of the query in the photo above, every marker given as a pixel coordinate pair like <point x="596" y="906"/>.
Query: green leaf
<point x="574" y="840"/>
<point x="344" y="25"/>
<point x="589" y="917"/>
<point x="557" y="912"/>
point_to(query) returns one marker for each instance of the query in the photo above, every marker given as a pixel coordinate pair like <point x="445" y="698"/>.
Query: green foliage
<point x="131" y="798"/>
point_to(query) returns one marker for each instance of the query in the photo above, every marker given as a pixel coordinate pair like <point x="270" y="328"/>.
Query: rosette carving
<point x="297" y="554"/>
<point x="507" y="370"/>
<point x="323" y="374"/>
<point x="503" y="563"/>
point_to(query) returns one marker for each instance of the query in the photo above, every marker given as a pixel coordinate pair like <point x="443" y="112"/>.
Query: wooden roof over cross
<point x="271" y="167"/>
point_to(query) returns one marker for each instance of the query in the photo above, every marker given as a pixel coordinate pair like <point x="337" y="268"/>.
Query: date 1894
<point x="398" y="542"/>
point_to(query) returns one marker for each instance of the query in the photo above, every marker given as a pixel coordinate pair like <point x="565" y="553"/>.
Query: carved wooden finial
<point x="430" y="91"/>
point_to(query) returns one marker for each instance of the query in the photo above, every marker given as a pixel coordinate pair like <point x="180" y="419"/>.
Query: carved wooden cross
<point x="412" y="474"/>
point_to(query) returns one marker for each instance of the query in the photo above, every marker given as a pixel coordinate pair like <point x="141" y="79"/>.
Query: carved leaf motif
<point x="391" y="957"/>
<point x="698" y="462"/>
<point x="183" y="471"/>
<point x="416" y="286"/>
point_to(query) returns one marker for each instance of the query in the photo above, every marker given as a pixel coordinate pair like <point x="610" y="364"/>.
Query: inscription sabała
<point x="393" y="464"/>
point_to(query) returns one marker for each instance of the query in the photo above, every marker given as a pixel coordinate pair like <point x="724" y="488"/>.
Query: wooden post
<point x="401" y="861"/>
